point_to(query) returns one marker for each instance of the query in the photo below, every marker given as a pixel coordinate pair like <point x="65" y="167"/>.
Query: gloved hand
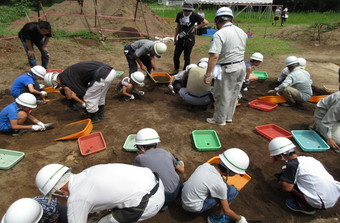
<point x="37" y="128"/>
<point x="42" y="125"/>
<point x="83" y="105"/>
<point x="132" y="97"/>
<point x="180" y="162"/>
<point x="141" y="92"/>
<point x="271" y="91"/>
<point x="43" y="93"/>
<point x="242" y="220"/>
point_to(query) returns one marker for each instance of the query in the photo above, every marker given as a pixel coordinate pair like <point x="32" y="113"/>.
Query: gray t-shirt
<point x="142" y="47"/>
<point x="163" y="163"/>
<point x="205" y="182"/>
<point x="230" y="43"/>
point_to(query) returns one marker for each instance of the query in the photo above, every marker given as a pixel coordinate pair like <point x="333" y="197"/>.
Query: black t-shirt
<point x="187" y="26"/>
<point x="30" y="32"/>
<point x="79" y="76"/>
<point x="289" y="173"/>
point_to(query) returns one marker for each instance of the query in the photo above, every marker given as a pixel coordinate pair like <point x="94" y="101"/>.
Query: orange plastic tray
<point x="262" y="105"/>
<point x="273" y="99"/>
<point x="316" y="99"/>
<point x="87" y="130"/>
<point x="161" y="74"/>
<point x="238" y="181"/>
<point x="92" y="143"/>
<point x="51" y="90"/>
<point x="272" y="131"/>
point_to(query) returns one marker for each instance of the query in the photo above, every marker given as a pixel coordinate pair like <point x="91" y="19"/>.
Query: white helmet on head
<point x="257" y="56"/>
<point x="48" y="177"/>
<point x="147" y="136"/>
<point x="280" y="145"/>
<point x="302" y="62"/>
<point x="190" y="66"/>
<point x="224" y="11"/>
<point x="23" y="210"/>
<point x="51" y="79"/>
<point x="235" y="160"/>
<point x="27" y="100"/>
<point x="159" y="49"/>
<point x="138" y="77"/>
<point x="291" y="60"/>
<point x="38" y="70"/>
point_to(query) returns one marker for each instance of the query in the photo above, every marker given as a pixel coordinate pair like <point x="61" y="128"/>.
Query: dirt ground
<point x="174" y="120"/>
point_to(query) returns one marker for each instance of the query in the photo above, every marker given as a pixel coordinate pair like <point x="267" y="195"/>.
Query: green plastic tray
<point x="206" y="140"/>
<point x="129" y="144"/>
<point x="261" y="74"/>
<point x="8" y="158"/>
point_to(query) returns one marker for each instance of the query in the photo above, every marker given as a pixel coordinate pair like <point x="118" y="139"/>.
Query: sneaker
<point x="212" y="121"/>
<point x="245" y="89"/>
<point x="287" y="104"/>
<point x="295" y="207"/>
<point x="217" y="218"/>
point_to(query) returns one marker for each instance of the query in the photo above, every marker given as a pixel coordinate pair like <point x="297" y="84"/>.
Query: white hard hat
<point x="23" y="210"/>
<point x="27" y="100"/>
<point x="138" y="77"/>
<point x="257" y="56"/>
<point x="159" y="49"/>
<point x="38" y="70"/>
<point x="302" y="62"/>
<point x="190" y="66"/>
<point x="235" y="159"/>
<point x="204" y="59"/>
<point x="280" y="145"/>
<point x="291" y="60"/>
<point x="51" y="79"/>
<point x="48" y="177"/>
<point x="147" y="136"/>
<point x="224" y="11"/>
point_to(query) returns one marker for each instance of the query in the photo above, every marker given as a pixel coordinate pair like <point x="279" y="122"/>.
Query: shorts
<point x="276" y="18"/>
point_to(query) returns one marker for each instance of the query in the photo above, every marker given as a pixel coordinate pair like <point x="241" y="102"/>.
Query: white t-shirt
<point x="204" y="182"/>
<point x="107" y="186"/>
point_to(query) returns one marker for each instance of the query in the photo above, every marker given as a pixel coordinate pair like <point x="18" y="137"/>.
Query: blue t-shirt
<point x="22" y="81"/>
<point x="10" y="112"/>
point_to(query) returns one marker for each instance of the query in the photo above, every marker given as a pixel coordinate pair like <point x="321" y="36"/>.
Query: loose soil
<point x="174" y="120"/>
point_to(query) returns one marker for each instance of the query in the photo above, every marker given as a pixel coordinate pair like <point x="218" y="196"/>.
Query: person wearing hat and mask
<point x="227" y="49"/>
<point x="185" y="34"/>
<point x="305" y="178"/>
<point x="143" y="52"/>
<point x="297" y="86"/>
<point x="206" y="187"/>
<point x="29" y="83"/>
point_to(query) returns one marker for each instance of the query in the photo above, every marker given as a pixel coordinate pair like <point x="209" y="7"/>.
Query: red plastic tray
<point x="91" y="143"/>
<point x="262" y="105"/>
<point x="272" y="131"/>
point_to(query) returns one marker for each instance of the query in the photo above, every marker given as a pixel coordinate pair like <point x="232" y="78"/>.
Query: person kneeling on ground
<point x="28" y="83"/>
<point x="327" y="120"/>
<point x="129" y="193"/>
<point x="255" y="60"/>
<point x="284" y="73"/>
<point x="206" y="188"/>
<point x="305" y="178"/>
<point x="177" y="81"/>
<point x="160" y="161"/>
<point x="35" y="210"/>
<point x="14" y="115"/>
<point x="127" y="86"/>
<point x="297" y="87"/>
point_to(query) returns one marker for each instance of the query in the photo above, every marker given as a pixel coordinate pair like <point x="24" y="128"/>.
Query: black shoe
<point x="287" y="104"/>
<point x="72" y="104"/>
<point x="101" y="115"/>
<point x="94" y="117"/>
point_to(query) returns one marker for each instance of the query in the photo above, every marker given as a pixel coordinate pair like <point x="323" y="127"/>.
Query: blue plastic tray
<point x="310" y="141"/>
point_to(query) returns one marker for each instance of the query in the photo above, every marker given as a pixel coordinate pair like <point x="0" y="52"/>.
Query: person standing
<point x="227" y="50"/>
<point x="90" y="81"/>
<point x="277" y="15"/>
<point x="143" y="52"/>
<point x="38" y="34"/>
<point x="185" y="34"/>
<point x="284" y="16"/>
<point x="129" y="193"/>
<point x="160" y="161"/>
<point x="202" y="14"/>
<point x="305" y="178"/>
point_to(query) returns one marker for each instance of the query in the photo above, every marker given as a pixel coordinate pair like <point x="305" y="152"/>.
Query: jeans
<point x="169" y="197"/>
<point x="211" y="202"/>
<point x="185" y="45"/>
<point x="44" y="55"/>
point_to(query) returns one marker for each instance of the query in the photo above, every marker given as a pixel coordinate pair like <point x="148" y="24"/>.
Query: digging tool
<point x="23" y="131"/>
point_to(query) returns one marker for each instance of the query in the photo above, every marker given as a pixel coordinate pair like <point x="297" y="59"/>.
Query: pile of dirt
<point x="116" y="16"/>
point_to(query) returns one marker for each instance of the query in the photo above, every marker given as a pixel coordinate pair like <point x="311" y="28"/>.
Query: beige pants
<point x="292" y="95"/>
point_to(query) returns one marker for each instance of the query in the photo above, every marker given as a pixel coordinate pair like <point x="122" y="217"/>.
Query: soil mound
<point x="116" y="18"/>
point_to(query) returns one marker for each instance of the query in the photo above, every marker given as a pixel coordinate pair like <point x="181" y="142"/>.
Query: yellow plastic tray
<point x="87" y="130"/>
<point x="238" y="181"/>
